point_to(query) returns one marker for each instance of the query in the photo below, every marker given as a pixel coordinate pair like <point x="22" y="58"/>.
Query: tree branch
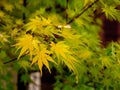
<point x="24" y="4"/>
<point x="84" y="10"/>
<point x="14" y="59"/>
<point x="66" y="10"/>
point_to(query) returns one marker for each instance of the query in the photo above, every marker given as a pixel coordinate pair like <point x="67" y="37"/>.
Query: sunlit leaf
<point x="64" y="55"/>
<point x="69" y="34"/>
<point x="27" y="44"/>
<point x="60" y="49"/>
<point x="43" y="57"/>
<point x="49" y="31"/>
<point x="37" y="23"/>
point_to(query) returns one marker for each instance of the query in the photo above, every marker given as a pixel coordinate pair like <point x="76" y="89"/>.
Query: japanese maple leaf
<point x="42" y="57"/>
<point x="60" y="49"/>
<point x="64" y="54"/>
<point x="27" y="44"/>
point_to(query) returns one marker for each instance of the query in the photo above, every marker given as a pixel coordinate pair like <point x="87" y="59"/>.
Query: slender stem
<point x="24" y="4"/>
<point x="14" y="59"/>
<point x="66" y="10"/>
<point x="84" y="10"/>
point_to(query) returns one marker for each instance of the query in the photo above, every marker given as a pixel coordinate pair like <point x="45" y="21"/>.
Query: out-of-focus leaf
<point x="24" y="64"/>
<point x="110" y="11"/>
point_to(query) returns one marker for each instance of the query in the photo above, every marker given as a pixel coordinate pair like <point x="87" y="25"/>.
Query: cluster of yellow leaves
<point x="38" y="52"/>
<point x="28" y="44"/>
<point x="41" y="25"/>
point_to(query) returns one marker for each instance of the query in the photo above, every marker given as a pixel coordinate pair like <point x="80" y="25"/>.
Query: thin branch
<point x="24" y="4"/>
<point x="14" y="59"/>
<point x="84" y="10"/>
<point x="67" y="1"/>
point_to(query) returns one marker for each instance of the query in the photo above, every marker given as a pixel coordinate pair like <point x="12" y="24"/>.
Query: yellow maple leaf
<point x="48" y="31"/>
<point x="42" y="57"/>
<point x="27" y="44"/>
<point x="69" y="34"/>
<point x="62" y="50"/>
<point x="37" y="23"/>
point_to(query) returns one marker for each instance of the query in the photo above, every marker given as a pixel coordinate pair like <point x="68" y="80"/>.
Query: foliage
<point x="61" y="34"/>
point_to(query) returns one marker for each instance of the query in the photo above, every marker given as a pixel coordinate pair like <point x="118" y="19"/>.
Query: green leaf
<point x="62" y="2"/>
<point x="111" y="11"/>
<point x="106" y="61"/>
<point x="24" y="64"/>
<point x="25" y="78"/>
